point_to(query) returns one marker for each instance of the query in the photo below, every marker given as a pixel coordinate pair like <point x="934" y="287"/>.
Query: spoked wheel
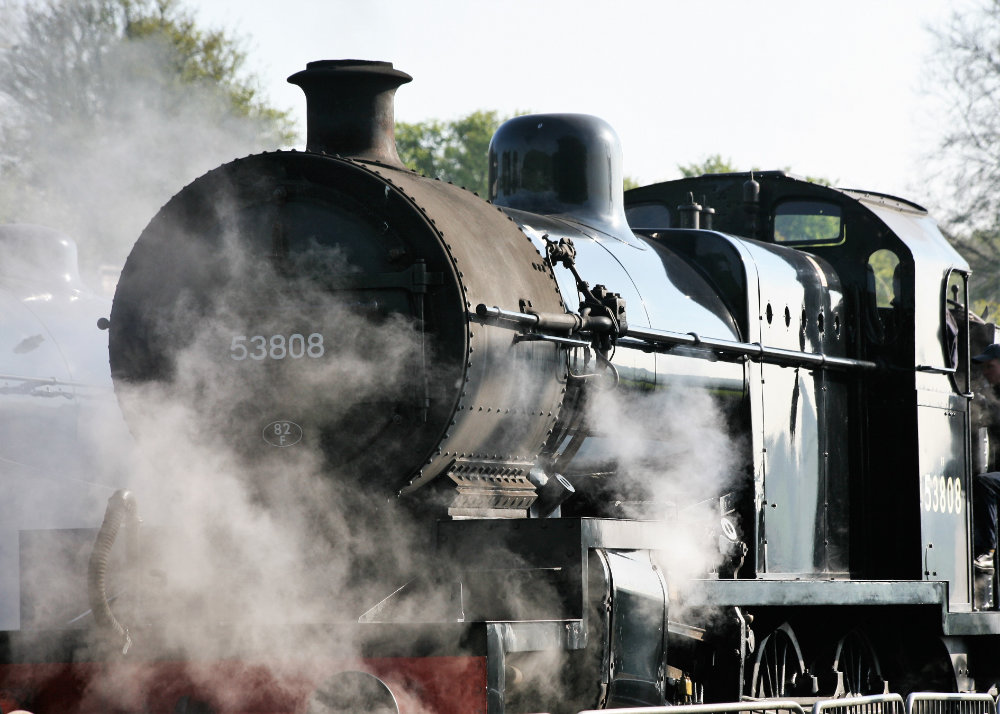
<point x="779" y="670"/>
<point x="858" y="665"/>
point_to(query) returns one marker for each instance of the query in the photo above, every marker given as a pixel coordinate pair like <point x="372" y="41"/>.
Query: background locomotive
<point x="56" y="402"/>
<point x="513" y="427"/>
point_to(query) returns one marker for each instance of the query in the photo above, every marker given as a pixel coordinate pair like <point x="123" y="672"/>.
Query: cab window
<point x="883" y="276"/>
<point x="813" y="222"/>
<point x="883" y="296"/>
<point x="955" y="320"/>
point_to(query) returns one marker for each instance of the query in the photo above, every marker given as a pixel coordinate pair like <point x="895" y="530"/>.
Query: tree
<point x="981" y="247"/>
<point x="453" y="151"/>
<point x="966" y="71"/>
<point x="108" y="107"/>
<point x="713" y="164"/>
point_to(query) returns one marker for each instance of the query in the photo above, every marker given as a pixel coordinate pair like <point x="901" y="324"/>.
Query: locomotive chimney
<point x="349" y="108"/>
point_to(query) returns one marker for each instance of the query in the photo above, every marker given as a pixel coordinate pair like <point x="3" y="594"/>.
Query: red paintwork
<point x="421" y="685"/>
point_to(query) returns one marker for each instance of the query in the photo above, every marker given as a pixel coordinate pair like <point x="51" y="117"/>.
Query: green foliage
<point x="453" y="151"/>
<point x="817" y="179"/>
<point x="107" y="107"/>
<point x="981" y="247"/>
<point x="815" y="229"/>
<point x="807" y="221"/>
<point x="199" y="56"/>
<point x="456" y="150"/>
<point x="883" y="263"/>
<point x="713" y="164"/>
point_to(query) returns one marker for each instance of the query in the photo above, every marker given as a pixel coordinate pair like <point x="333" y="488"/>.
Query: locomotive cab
<point x="904" y="307"/>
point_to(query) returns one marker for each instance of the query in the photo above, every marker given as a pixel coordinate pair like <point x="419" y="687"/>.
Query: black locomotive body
<point x="895" y="483"/>
<point x="703" y="441"/>
<point x="904" y="309"/>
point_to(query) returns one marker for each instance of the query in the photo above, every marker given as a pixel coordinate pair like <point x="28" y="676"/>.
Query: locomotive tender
<point x="825" y="330"/>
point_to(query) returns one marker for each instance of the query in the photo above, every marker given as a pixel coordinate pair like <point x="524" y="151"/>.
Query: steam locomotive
<point x="570" y="448"/>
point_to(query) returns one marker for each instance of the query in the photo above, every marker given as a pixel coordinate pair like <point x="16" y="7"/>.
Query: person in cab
<point x="986" y="486"/>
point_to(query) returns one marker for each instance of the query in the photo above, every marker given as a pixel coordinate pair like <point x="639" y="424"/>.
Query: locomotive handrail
<point x="754" y="350"/>
<point x="51" y="381"/>
<point x="935" y="370"/>
<point x="643" y="337"/>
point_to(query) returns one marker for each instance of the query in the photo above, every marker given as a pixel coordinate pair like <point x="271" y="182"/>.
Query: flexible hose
<point x="120" y="505"/>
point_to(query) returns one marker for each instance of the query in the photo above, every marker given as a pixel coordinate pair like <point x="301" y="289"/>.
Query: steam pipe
<point x="552" y="492"/>
<point x="563" y="322"/>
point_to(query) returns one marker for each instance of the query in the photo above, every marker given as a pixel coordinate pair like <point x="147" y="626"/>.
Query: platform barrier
<point x="916" y="703"/>
<point x="761" y="707"/>
<point x="877" y="704"/>
<point x="942" y="703"/>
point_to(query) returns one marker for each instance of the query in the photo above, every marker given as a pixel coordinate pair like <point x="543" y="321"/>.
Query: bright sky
<point x="831" y="89"/>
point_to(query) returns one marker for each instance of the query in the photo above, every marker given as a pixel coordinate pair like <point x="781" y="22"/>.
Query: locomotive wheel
<point x="779" y="670"/>
<point x="919" y="663"/>
<point x="351" y="692"/>
<point x="856" y="661"/>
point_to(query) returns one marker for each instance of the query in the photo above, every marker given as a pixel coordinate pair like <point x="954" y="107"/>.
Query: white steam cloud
<point x="676" y="457"/>
<point x="97" y="132"/>
<point x="257" y="537"/>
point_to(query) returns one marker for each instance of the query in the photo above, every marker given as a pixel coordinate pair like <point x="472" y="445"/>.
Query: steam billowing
<point x="97" y="132"/>
<point x="272" y="525"/>
<point x="675" y="458"/>
<point x="247" y="531"/>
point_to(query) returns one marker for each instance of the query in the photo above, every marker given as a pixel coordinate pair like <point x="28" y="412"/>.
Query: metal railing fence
<point x="761" y="707"/>
<point x="943" y="703"/>
<point x="875" y="704"/>
<point x="916" y="703"/>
